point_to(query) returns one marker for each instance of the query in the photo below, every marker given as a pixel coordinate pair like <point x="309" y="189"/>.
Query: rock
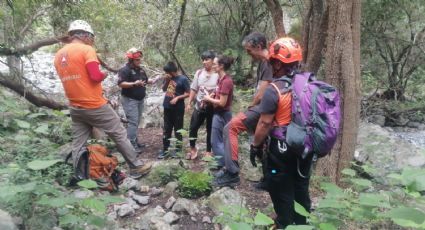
<point x="193" y="219"/>
<point x="156" y="191"/>
<point x="82" y="193"/>
<point x="6" y="221"/>
<point x="170" y="202"/>
<point x="145" y="219"/>
<point x="143" y="200"/>
<point x="132" y="203"/>
<point x="129" y="183"/>
<point x="159" y="224"/>
<point x="170" y="217"/>
<point x="253" y="174"/>
<point x="144" y="188"/>
<point x="112" y="216"/>
<point x="417" y="161"/>
<point x="401" y="121"/>
<point x="412" y="124"/>
<point x="224" y="197"/>
<point x="185" y="205"/>
<point x="125" y="210"/>
<point x="170" y="188"/>
<point x="206" y="219"/>
<point x="377" y="119"/>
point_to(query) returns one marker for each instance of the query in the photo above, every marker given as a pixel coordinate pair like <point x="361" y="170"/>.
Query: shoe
<point x="219" y="173"/>
<point x="192" y="155"/>
<point x="227" y="179"/>
<point x="137" y="149"/>
<point x="141" y="146"/>
<point x="140" y="171"/>
<point x="162" y="154"/>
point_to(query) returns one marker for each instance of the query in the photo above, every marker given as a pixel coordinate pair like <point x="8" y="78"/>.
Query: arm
<point x="181" y="97"/>
<point x="262" y="85"/>
<point x="264" y="125"/>
<point x="218" y="102"/>
<point x="191" y="99"/>
<point x="126" y="84"/>
<point x="94" y="72"/>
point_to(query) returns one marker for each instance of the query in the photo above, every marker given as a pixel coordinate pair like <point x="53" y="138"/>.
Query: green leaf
<point x="41" y="164"/>
<point x="263" y="220"/>
<point x="57" y="202"/>
<point x="299" y="227"/>
<point x="349" y="172"/>
<point x="35" y="115"/>
<point x="22" y="124"/>
<point x="68" y="219"/>
<point x="375" y="200"/>
<point x="88" y="184"/>
<point x="300" y="209"/>
<point x="331" y="203"/>
<point x="327" y="226"/>
<point x="96" y="220"/>
<point x="240" y="226"/>
<point x="332" y="189"/>
<point x="111" y="199"/>
<point x="43" y="129"/>
<point x="9" y="191"/>
<point x="94" y="204"/>
<point x="361" y="182"/>
<point x="406" y="213"/>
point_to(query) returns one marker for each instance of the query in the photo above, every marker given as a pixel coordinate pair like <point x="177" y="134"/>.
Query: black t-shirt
<point x="270" y="100"/>
<point x="130" y="74"/>
<point x="264" y="73"/>
<point x="177" y="86"/>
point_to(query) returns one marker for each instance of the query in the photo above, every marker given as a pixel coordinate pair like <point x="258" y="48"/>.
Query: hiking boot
<point x="219" y="173"/>
<point x="227" y="179"/>
<point x="140" y="171"/>
<point x="141" y="146"/>
<point x="162" y="154"/>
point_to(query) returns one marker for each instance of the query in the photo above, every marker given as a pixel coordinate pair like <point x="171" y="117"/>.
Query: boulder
<point x="125" y="210"/>
<point x="185" y="205"/>
<point x="146" y="219"/>
<point x="170" y="188"/>
<point x="377" y="119"/>
<point x="170" y="217"/>
<point x="6" y="221"/>
<point x="170" y="202"/>
<point x="224" y="197"/>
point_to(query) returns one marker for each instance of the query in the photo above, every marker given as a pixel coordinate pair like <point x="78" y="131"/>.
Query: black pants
<point x="198" y="118"/>
<point x="286" y="184"/>
<point x="173" y="119"/>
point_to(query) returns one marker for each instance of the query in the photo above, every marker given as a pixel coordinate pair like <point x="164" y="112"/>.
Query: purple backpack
<point x="315" y="116"/>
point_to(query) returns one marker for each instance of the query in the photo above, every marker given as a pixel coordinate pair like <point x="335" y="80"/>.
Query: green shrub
<point x="162" y="174"/>
<point x="194" y="184"/>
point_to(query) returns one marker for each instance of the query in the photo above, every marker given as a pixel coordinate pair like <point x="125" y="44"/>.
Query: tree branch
<point x="30" y="20"/>
<point x="5" y="51"/>
<point x="277" y="16"/>
<point x="176" y="35"/>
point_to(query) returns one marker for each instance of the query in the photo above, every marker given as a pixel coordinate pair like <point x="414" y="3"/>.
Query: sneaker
<point x="227" y="179"/>
<point x="162" y="154"/>
<point x="140" y="171"/>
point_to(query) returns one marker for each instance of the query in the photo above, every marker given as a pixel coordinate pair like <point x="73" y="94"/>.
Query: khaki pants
<point x="104" y="118"/>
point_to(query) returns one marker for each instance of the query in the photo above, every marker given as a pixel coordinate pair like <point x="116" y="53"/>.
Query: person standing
<point x="222" y="100"/>
<point x="78" y="68"/>
<point x="176" y="88"/>
<point x="132" y="79"/>
<point x="204" y="82"/>
<point x="287" y="174"/>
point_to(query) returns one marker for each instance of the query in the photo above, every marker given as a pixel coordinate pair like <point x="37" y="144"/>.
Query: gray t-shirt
<point x="206" y="80"/>
<point x="264" y="73"/>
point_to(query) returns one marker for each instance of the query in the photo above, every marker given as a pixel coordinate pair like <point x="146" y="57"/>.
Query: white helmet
<point x="80" y="25"/>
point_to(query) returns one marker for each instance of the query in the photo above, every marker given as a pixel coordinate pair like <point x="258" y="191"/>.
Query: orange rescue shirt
<point x="70" y="63"/>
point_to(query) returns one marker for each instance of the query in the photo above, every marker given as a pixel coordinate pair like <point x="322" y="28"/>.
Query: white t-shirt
<point x="203" y="79"/>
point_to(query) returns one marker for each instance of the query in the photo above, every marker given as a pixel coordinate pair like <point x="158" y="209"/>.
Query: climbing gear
<point x="286" y="50"/>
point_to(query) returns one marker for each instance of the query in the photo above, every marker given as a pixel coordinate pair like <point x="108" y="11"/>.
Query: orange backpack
<point x="102" y="166"/>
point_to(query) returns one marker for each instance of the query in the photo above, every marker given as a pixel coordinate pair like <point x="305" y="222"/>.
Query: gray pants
<point x="133" y="111"/>
<point x="104" y="118"/>
<point x="220" y="119"/>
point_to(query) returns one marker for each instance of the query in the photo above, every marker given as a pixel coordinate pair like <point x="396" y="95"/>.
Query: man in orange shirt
<point x="78" y="68"/>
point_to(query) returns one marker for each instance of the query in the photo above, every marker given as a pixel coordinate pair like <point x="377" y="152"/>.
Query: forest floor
<point x="255" y="199"/>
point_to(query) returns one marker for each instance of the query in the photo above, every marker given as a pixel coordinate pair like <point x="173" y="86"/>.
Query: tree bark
<point x="342" y="69"/>
<point x="315" y="22"/>
<point x="277" y="16"/>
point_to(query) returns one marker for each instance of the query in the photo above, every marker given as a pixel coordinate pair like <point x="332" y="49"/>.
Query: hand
<point x="188" y="107"/>
<point x="206" y="98"/>
<point x="255" y="152"/>
<point x="174" y="101"/>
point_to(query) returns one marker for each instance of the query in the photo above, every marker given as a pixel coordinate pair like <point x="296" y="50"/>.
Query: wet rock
<point x="170" y="217"/>
<point x="185" y="205"/>
<point x="170" y="202"/>
<point x="224" y="197"/>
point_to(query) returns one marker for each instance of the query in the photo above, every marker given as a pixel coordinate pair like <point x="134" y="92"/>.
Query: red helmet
<point x="134" y="53"/>
<point x="286" y="50"/>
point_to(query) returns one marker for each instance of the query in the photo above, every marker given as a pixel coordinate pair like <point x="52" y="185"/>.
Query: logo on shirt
<point x="171" y="89"/>
<point x="64" y="59"/>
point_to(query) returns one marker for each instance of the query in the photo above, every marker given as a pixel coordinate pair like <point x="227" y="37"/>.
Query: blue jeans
<point x="220" y="119"/>
<point x="133" y="111"/>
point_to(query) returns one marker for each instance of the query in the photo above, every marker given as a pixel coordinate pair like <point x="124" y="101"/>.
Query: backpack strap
<point x="300" y="83"/>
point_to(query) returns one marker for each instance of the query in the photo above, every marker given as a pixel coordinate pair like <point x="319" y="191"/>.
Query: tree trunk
<point x="277" y="16"/>
<point x="315" y="22"/>
<point x="342" y="69"/>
